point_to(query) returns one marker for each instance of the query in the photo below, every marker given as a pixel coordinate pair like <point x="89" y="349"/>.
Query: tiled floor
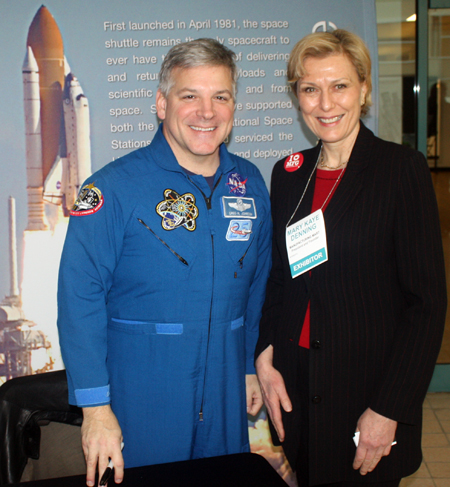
<point x="435" y="468"/>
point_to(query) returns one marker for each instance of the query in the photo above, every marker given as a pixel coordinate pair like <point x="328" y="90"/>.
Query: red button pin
<point x="293" y="162"/>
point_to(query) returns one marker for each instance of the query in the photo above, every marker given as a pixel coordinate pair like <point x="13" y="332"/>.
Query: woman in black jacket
<point x="351" y="328"/>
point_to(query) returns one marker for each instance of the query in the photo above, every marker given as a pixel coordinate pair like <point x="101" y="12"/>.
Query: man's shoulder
<point x="131" y="166"/>
<point x="246" y="166"/>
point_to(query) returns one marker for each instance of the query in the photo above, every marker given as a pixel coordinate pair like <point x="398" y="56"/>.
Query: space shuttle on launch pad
<point x="57" y="126"/>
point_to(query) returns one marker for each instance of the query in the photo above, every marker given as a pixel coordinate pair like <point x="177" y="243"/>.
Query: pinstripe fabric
<point x="377" y="306"/>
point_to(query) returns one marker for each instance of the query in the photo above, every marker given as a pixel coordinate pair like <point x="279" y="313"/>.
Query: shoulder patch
<point x="89" y="201"/>
<point x="293" y="162"/>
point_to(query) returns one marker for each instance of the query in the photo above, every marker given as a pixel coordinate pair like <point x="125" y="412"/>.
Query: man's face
<point x="198" y="114"/>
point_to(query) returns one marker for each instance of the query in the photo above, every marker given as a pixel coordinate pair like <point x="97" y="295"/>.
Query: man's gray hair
<point x="192" y="54"/>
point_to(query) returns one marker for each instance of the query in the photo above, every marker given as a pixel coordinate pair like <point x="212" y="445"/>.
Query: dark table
<point x="239" y="470"/>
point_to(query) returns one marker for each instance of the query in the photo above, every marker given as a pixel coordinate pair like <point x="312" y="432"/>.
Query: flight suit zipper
<point x="208" y="207"/>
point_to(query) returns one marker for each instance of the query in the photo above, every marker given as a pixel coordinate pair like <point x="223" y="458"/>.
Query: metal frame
<point x="421" y="87"/>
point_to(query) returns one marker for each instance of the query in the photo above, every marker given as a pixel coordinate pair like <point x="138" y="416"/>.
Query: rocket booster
<point x="32" y="101"/>
<point x="45" y="40"/>
<point x="57" y="122"/>
<point x="32" y="105"/>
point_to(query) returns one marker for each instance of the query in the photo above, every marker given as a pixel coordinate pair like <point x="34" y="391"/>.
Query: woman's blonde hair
<point x="323" y="44"/>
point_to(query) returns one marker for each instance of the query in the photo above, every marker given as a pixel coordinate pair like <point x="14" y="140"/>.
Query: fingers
<point x="273" y="408"/>
<point x="359" y="457"/>
<point x="91" y="467"/>
<point x="98" y="456"/>
<point x="275" y="397"/>
<point x="366" y="460"/>
<point x="101" y="438"/>
<point x="103" y="461"/>
<point x="253" y="394"/>
<point x="118" y="468"/>
<point x="273" y="390"/>
<point x="377" y="433"/>
<point x="284" y="399"/>
<point x="255" y="406"/>
<point x="277" y="421"/>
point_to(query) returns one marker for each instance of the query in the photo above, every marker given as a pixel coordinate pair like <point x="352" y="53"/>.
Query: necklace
<point x="322" y="164"/>
<point x="319" y="159"/>
<point x="332" y="189"/>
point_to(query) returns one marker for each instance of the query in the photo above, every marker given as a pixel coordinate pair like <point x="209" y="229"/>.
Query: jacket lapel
<point x="348" y="189"/>
<point x="304" y="209"/>
<point x="353" y="180"/>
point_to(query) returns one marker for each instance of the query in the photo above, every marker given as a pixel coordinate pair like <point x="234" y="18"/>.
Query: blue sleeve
<point x="90" y="254"/>
<point x="258" y="286"/>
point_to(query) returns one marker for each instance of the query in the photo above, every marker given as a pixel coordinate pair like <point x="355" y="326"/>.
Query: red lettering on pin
<point x="293" y="162"/>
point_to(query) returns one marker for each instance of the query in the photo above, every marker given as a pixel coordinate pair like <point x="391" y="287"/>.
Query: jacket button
<point x="316" y="344"/>
<point x="316" y="399"/>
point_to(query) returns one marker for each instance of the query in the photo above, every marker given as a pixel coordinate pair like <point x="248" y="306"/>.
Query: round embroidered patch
<point x="177" y="211"/>
<point x="89" y="201"/>
<point x="236" y="184"/>
<point x="293" y="162"/>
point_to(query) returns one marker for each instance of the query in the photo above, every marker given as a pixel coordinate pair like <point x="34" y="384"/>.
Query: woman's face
<point x="330" y="97"/>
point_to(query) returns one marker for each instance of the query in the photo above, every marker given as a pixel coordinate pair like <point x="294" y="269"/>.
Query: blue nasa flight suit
<point x="159" y="301"/>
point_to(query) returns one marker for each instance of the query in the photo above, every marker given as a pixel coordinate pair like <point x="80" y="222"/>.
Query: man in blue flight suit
<point x="162" y="281"/>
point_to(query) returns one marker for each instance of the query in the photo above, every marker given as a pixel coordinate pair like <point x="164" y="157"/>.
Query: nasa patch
<point x="293" y="162"/>
<point x="236" y="184"/>
<point x="239" y="230"/>
<point x="89" y="201"/>
<point x="177" y="211"/>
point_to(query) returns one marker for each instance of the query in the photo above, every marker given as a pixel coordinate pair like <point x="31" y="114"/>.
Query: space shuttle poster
<point x="79" y="81"/>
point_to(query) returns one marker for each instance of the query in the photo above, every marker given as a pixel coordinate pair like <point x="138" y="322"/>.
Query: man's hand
<point x="101" y="438"/>
<point x="273" y="390"/>
<point x="254" y="396"/>
<point x="376" y="436"/>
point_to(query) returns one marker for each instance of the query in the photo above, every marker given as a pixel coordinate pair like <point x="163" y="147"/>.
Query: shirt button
<point x="316" y="399"/>
<point x="316" y="344"/>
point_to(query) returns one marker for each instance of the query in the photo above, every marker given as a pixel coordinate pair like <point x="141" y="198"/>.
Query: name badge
<point x="236" y="207"/>
<point x="306" y="243"/>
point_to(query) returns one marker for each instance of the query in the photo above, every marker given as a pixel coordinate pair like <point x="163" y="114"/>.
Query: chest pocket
<point x="169" y="248"/>
<point x="244" y="255"/>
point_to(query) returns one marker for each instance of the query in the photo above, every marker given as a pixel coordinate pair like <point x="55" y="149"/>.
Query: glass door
<point x="438" y="113"/>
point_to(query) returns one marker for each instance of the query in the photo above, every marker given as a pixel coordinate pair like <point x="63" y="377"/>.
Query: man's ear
<point x="161" y="103"/>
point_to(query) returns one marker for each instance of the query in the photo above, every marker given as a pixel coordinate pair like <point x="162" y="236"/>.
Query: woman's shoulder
<point x="389" y="149"/>
<point x="293" y="163"/>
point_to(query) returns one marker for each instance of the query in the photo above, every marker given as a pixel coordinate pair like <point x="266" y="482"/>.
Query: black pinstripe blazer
<point x="377" y="306"/>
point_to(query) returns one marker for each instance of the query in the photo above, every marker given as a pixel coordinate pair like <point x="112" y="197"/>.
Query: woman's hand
<point x="375" y="441"/>
<point x="273" y="389"/>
